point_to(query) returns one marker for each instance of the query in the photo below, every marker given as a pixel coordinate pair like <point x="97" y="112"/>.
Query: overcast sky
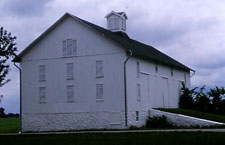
<point x="191" y="31"/>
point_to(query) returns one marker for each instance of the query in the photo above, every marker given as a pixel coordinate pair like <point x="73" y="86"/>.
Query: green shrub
<point x="158" y="122"/>
<point x="134" y="127"/>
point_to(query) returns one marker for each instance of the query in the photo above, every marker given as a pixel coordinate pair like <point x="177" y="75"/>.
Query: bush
<point x="158" y="122"/>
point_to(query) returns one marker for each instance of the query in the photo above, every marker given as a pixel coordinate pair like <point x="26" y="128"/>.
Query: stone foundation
<point x="131" y="118"/>
<point x="72" y="121"/>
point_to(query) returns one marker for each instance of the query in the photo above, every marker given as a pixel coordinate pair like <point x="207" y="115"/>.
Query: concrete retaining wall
<point x="183" y="120"/>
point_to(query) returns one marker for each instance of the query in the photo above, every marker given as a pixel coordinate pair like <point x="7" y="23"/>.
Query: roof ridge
<point x="140" y="49"/>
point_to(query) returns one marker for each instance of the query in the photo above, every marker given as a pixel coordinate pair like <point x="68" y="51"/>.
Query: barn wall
<point x="91" y="47"/>
<point x="158" y="89"/>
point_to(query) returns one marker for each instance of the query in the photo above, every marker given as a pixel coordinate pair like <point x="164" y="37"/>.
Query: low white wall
<point x="183" y="120"/>
<point x="70" y="121"/>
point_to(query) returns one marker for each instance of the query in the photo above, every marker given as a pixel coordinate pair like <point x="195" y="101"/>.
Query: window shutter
<point x="116" y="23"/>
<point x="41" y="73"/>
<point x="99" y="90"/>
<point x="70" y="93"/>
<point x="74" y="47"/>
<point x="69" y="47"/>
<point x="99" y="69"/>
<point x="124" y="24"/>
<point x="69" y="70"/>
<point x="110" y="23"/>
<point x="42" y="95"/>
<point x="64" y="48"/>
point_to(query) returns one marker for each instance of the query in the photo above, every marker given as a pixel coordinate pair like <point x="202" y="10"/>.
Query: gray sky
<point x="191" y="31"/>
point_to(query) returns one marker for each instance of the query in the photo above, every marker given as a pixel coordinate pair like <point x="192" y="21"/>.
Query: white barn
<point x="78" y="75"/>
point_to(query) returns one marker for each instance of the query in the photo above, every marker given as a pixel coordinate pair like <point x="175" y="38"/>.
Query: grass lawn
<point x="203" y="115"/>
<point x="9" y="125"/>
<point x="153" y="138"/>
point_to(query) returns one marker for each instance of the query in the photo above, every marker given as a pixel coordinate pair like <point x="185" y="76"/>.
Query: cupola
<point x="116" y="21"/>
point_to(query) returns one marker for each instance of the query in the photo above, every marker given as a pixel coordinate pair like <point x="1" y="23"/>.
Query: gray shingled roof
<point x="138" y="49"/>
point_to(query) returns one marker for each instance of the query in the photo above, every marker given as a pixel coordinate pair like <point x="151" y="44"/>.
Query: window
<point x="113" y="22"/>
<point x="42" y="73"/>
<point x="41" y="94"/>
<point x="99" y="92"/>
<point x="171" y="71"/>
<point x="64" y="48"/>
<point x="124" y="24"/>
<point x="137" y="115"/>
<point x="138" y="92"/>
<point x="138" y="69"/>
<point x="99" y="68"/>
<point x="69" y="70"/>
<point x="156" y="68"/>
<point x="116" y="23"/>
<point x="69" y="47"/>
<point x="70" y="93"/>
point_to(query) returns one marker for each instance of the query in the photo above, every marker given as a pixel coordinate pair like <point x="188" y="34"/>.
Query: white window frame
<point x="42" y="73"/>
<point x="70" y="93"/>
<point x="69" y="70"/>
<point x="99" y="95"/>
<point x="138" y="92"/>
<point x="99" y="69"/>
<point x="69" y="47"/>
<point x="42" y="95"/>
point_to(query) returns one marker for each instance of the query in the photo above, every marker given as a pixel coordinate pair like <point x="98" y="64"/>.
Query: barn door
<point x="165" y="92"/>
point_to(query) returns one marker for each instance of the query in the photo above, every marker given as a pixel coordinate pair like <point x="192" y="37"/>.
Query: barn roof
<point x="138" y="49"/>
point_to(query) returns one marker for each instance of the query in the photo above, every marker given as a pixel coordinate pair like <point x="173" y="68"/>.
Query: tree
<point x="2" y="112"/>
<point x="7" y="51"/>
<point x="202" y="101"/>
<point x="186" y="99"/>
<point x="217" y="95"/>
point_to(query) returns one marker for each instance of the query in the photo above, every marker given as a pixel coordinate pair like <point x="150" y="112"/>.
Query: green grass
<point x="9" y="125"/>
<point x="156" y="138"/>
<point x="203" y="115"/>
